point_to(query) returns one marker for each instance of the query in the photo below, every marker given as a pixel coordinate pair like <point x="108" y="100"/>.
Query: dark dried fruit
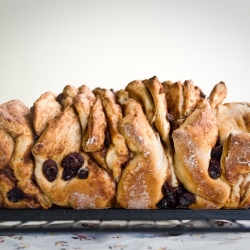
<point x="187" y="199"/>
<point x="73" y="160"/>
<point x="59" y="98"/>
<point x="170" y="118"/>
<point x="214" y="169"/>
<point x="50" y="170"/>
<point x="15" y="195"/>
<point x="83" y="173"/>
<point x="167" y="189"/>
<point x="69" y="173"/>
<point x="165" y="203"/>
<point x="71" y="164"/>
<point x="202" y="95"/>
<point x="216" y="153"/>
<point x="178" y="191"/>
<point x="169" y="196"/>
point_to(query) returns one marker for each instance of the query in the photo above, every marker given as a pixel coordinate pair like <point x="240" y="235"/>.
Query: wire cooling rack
<point x="172" y="221"/>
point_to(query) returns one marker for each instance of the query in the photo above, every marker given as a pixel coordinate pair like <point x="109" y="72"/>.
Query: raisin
<point x="214" y="169"/>
<point x="167" y="189"/>
<point x="69" y="173"/>
<point x="187" y="199"/>
<point x="50" y="170"/>
<point x="165" y="203"/>
<point x="202" y="95"/>
<point x="73" y="160"/>
<point x="83" y="173"/>
<point x="216" y="153"/>
<point x="15" y="195"/>
<point x="169" y="195"/>
<point x="178" y="191"/>
<point x="59" y="98"/>
<point x="170" y="118"/>
<point x="71" y="164"/>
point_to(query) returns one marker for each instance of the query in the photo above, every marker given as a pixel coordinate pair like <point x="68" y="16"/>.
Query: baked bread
<point x="140" y="186"/>
<point x="151" y="145"/>
<point x="65" y="173"/>
<point x="17" y="183"/>
<point x="139" y="92"/>
<point x="181" y="98"/>
<point x="193" y="143"/>
<point x="236" y="170"/>
<point x="117" y="152"/>
<point x="45" y="108"/>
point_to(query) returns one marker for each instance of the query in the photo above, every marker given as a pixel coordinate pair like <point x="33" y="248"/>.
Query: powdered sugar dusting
<point x="138" y="196"/>
<point x="190" y="157"/>
<point x="83" y="201"/>
<point x="92" y="140"/>
<point x="140" y="138"/>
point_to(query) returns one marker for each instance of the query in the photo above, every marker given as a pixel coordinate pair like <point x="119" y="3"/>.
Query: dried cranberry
<point x="214" y="169"/>
<point x="73" y="160"/>
<point x="216" y="153"/>
<point x="83" y="173"/>
<point x="50" y="170"/>
<point x="187" y="199"/>
<point x="15" y="195"/>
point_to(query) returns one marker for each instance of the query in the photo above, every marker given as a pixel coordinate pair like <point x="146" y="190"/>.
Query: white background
<point x="47" y="44"/>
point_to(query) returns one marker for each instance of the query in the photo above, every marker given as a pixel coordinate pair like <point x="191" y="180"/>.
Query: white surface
<point x="120" y="241"/>
<point x="45" y="45"/>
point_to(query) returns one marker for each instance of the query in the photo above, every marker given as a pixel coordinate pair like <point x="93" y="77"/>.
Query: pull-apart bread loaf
<point x="150" y="145"/>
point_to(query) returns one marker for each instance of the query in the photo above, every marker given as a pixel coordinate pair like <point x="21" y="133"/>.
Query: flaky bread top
<point x="193" y="142"/>
<point x="61" y="138"/>
<point x="142" y="179"/>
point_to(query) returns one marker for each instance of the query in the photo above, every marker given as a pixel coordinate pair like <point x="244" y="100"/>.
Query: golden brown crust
<point x="6" y="148"/>
<point x="232" y="117"/>
<point x="44" y="109"/>
<point x="160" y="111"/>
<point x="161" y="123"/>
<point x="117" y="151"/>
<point x="15" y="120"/>
<point x="142" y="179"/>
<point x="189" y="96"/>
<point x="93" y="139"/>
<point x="236" y="170"/>
<point x="121" y="96"/>
<point x="217" y="95"/>
<point x="69" y="92"/>
<point x="192" y="156"/>
<point x="236" y="156"/>
<point x="83" y="103"/>
<point x="62" y="137"/>
<point x="181" y="98"/>
<point x="174" y="97"/>
<point x="138" y="91"/>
